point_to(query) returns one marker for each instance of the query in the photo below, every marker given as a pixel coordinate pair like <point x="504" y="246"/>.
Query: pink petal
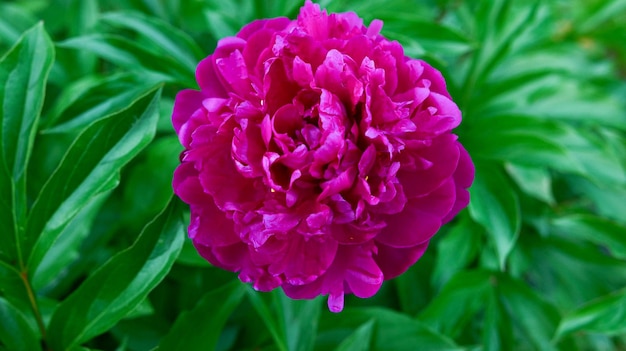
<point x="394" y="261"/>
<point x="186" y="103"/>
<point x="420" y="220"/>
<point x="443" y="155"/>
<point x="208" y="80"/>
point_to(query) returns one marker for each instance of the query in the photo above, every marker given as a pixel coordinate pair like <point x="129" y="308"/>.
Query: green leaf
<point x="129" y="54"/>
<point x="497" y="329"/>
<point x="67" y="248"/>
<point x="168" y="40"/>
<point x="23" y="74"/>
<point x="459" y="300"/>
<point x="90" y="167"/>
<point x="603" y="13"/>
<point x="536" y="319"/>
<point x="12" y="287"/>
<point x="94" y="97"/>
<point x="13" y="22"/>
<point x="299" y="332"/>
<point x="434" y="37"/>
<point x="273" y="326"/>
<point x="534" y="141"/>
<point x="15" y="333"/>
<point x="534" y="181"/>
<point x="189" y="256"/>
<point x="463" y="242"/>
<point x="359" y="340"/>
<point x="498" y="26"/>
<point x="200" y="328"/>
<point x="604" y="315"/>
<point x="522" y="140"/>
<point x="597" y="230"/>
<point x="120" y="284"/>
<point x="394" y="331"/>
<point x="495" y="206"/>
<point x="148" y="186"/>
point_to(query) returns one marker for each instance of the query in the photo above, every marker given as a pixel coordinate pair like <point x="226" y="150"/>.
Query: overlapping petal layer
<point x="318" y="157"/>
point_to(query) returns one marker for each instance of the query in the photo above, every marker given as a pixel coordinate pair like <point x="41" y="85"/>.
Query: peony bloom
<point x="318" y="157"/>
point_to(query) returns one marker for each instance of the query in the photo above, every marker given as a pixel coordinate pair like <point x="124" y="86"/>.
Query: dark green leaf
<point x="459" y="300"/>
<point x="273" y="326"/>
<point x="536" y="319"/>
<point x="495" y="206"/>
<point x="462" y="242"/>
<point x="149" y="180"/>
<point x="90" y="167"/>
<point x="394" y="331"/>
<point x="15" y="332"/>
<point x="12" y="287"/>
<point x="119" y="285"/>
<point x="67" y="248"/>
<point x="200" y="328"/>
<point x="299" y="332"/>
<point x="92" y="98"/>
<point x="23" y="74"/>
<point x="497" y="328"/>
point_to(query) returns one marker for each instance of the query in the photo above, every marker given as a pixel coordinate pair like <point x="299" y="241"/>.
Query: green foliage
<point x="93" y="253"/>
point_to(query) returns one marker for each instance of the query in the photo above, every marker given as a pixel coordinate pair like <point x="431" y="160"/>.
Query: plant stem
<point x="33" y="304"/>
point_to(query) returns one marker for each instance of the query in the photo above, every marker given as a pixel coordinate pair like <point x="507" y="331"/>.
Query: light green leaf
<point x="120" y="284"/>
<point x="90" y="167"/>
<point x="23" y="74"/>
<point x="534" y="181"/>
<point x="604" y="315"/>
<point x="168" y="40"/>
<point x="130" y="55"/>
<point x="359" y="340"/>
<point x="495" y="206"/>
<point x="498" y="26"/>
<point x="598" y="230"/>
<point x="522" y="140"/>
<point x="15" y="333"/>
<point x="200" y="328"/>
<point x="603" y="13"/>
<point x="13" y="22"/>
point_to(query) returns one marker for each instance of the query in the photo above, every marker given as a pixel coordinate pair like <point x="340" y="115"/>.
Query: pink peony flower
<point x="318" y="157"/>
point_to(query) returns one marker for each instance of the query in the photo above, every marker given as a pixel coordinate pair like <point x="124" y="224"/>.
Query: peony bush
<point x="154" y="154"/>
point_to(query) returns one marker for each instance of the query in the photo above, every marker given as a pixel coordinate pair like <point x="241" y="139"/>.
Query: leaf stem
<point x="33" y="304"/>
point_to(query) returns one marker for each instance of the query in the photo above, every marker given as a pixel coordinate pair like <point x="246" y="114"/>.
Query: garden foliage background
<point x="93" y="248"/>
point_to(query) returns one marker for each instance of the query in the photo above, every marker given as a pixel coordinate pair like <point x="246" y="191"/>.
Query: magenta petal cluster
<point x="318" y="157"/>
